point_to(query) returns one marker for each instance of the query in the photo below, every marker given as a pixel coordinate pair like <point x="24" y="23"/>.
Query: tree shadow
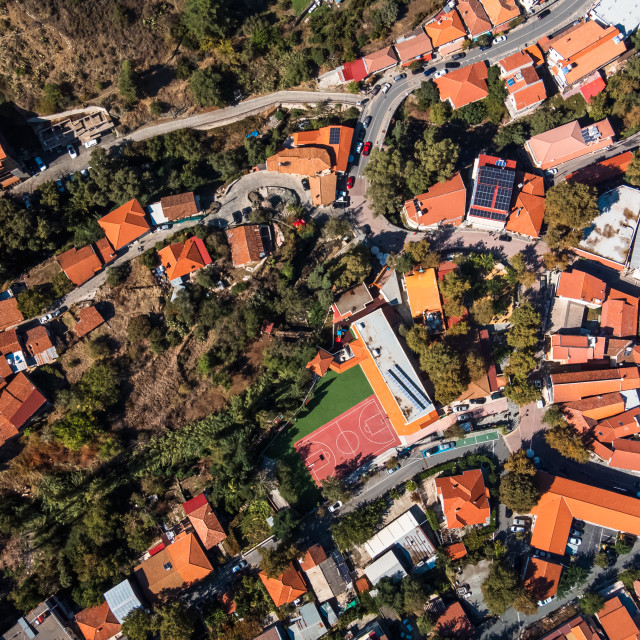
<point x="155" y="78"/>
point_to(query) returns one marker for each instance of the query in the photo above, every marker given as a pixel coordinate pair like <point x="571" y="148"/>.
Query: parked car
<point x="376" y="90"/>
<point x="442" y="72"/>
<point x="399" y="77"/>
<point x="478" y="401"/>
<point x="393" y="470"/>
<point x="575" y="541"/>
<point x="50" y="316"/>
<point x="91" y="143"/>
<point x="540" y="403"/>
<point x="362" y="102"/>
<point x="243" y="564"/>
<point x="429" y="71"/>
<point x="542" y="554"/>
<point x="341" y="194"/>
<point x="499" y="39"/>
<point x="305" y="184"/>
<point x="552" y="172"/>
<point x="517" y="528"/>
<point x="367" y="149"/>
<point x="522" y="522"/>
<point x="367" y="121"/>
<point x="385" y="87"/>
<point x="41" y="165"/>
<point x="362" y="132"/>
<point x="452" y="65"/>
<point x="359" y="147"/>
<point x="71" y="150"/>
<point x="445" y="446"/>
<point x="27" y="201"/>
<point x="544" y="14"/>
<point x="60" y="185"/>
<point x="458" y="56"/>
<point x="460" y="407"/>
<point x="497" y="395"/>
<point x="335" y="506"/>
<point x="576" y="533"/>
<point x="485" y="47"/>
<point x="350" y="182"/>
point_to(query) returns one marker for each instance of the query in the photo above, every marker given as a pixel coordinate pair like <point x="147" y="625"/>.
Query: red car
<point x="367" y="149"/>
<point x="350" y="182"/>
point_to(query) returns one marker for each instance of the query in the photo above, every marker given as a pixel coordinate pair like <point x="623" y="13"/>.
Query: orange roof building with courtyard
<point x="443" y="203"/>
<point x="124" y="224"/>
<point x="247" y="244"/>
<point x="335" y="139"/>
<point x="474" y="17"/>
<point x="463" y="86"/>
<point x="582" y="287"/>
<point x="464" y="499"/>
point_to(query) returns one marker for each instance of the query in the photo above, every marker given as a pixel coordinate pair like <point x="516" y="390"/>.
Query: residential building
<point x="570" y="349"/>
<point x="249" y="243"/>
<point x="20" y="401"/>
<point x="414" y="46"/>
<point x="307" y="624"/>
<point x="465" y="85"/>
<point x="352" y="71"/>
<point x="386" y="566"/>
<point x="578" y="627"/>
<point x="464" y="499"/>
<point x="475" y="18"/>
<point x="10" y="169"/>
<point x="173" y="568"/>
<point x="456" y="551"/>
<point x="601" y="406"/>
<point x="594" y="84"/>
<point x="98" y="623"/>
<point x="10" y="315"/>
<point x="422" y="290"/>
<point x="454" y="623"/>
<point x="123" y="599"/>
<point x="582" y="288"/>
<point x="11" y="349"/>
<point x="287" y="587"/>
<point x="446" y="29"/>
<point x="184" y="258"/>
<point x="493" y="181"/>
<point x="46" y="622"/>
<point x="527" y="211"/>
<point x="490" y="382"/>
<point x="607" y="169"/>
<point x="351" y="302"/>
<point x="77" y="130"/>
<point x="273" y="633"/>
<point x="124" y="224"/>
<point x="177" y="208"/>
<point x="40" y="349"/>
<point x="89" y="319"/>
<point x="622" y="14"/>
<point x="568" y="142"/>
<point x="79" y="265"/>
<point x="379" y="61"/>
<point x="619" y="315"/>
<point x="444" y="203"/>
<point x="617" y="621"/>
<point x="618" y="426"/>
<point x="568" y="387"/>
<point x="562" y="500"/>
<point x="525" y="87"/>
<point x="501" y="12"/>
<point x="371" y="631"/>
<point x="204" y="521"/>
<point x="582" y="49"/>
<point x="327" y="575"/>
<point x="541" y="579"/>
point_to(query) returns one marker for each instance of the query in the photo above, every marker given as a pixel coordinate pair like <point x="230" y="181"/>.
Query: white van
<point x="91" y="143"/>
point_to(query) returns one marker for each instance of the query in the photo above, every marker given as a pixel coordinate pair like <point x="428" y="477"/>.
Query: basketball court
<point x="348" y="441"/>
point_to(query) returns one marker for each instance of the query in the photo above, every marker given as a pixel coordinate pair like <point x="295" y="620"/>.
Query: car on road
<point x="544" y="14"/>
<point x="243" y="564"/>
<point x="552" y="172"/>
<point x="429" y="71"/>
<point x="575" y="541"/>
<point x="27" y="201"/>
<point x="445" y="446"/>
<point x="362" y="102"/>
<point x="362" y="132"/>
<point x="392" y="469"/>
<point x="452" y="65"/>
<point x="335" y="506"/>
<point x="485" y="47"/>
<point x="50" y="316"/>
<point x="442" y="72"/>
<point x="458" y="56"/>
<point x="499" y="39"/>
<point x="399" y="77"/>
<point x="41" y="165"/>
<point x="385" y="87"/>
<point x="60" y="185"/>
<point x="350" y="182"/>
<point x="367" y="121"/>
<point x="359" y="147"/>
<point x="367" y="149"/>
<point x="305" y="184"/>
<point x="376" y="90"/>
<point x="71" y="150"/>
<point x="460" y="407"/>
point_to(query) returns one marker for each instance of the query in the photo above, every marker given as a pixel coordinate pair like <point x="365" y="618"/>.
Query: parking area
<point x="592" y="538"/>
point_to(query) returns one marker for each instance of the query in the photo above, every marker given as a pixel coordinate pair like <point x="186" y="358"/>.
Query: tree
<point x="99" y="347"/>
<point x="521" y="392"/>
<point x="207" y="18"/>
<point x="353" y="87"/>
<point x="356" y="527"/>
<point x="75" y="429"/>
<point x="525" y="603"/>
<point x="568" y="442"/>
<point x="521" y="363"/>
<point x="471" y="114"/>
<point x="127" y="84"/>
<point x="569" y="208"/>
<point x="454" y="286"/>
<point x="206" y="86"/>
<point x="632" y="175"/>
<point x="425" y="624"/>
<point x="117" y="275"/>
<point x="285" y="522"/>
<point x="554" y="417"/>
<point x="434" y="161"/>
<point x="334" y="490"/>
<point x="138" y="328"/>
<point x="520" y="463"/>
<point x="601" y="560"/>
<point x="275" y="561"/>
<point x="440" y="113"/>
<point x="454" y="432"/>
<point x="515" y="134"/>
<point x="591" y="603"/>
<point x="176" y="622"/>
<point x="445" y="370"/>
<point x="32" y="302"/>
<point x="500" y="588"/>
<point x="525" y="324"/>
<point x="572" y="576"/>
<point x="138" y="625"/>
<point x="475" y="365"/>
<point x="353" y="267"/>
<point x="386" y="174"/>
<point x="482" y="311"/>
<point x="427" y="95"/>
<point x="422" y="254"/>
<point x="525" y="275"/>
<point x="518" y="492"/>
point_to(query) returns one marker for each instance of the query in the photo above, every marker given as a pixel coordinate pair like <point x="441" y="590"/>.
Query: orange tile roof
<point x="363" y="584"/>
<point x="124" y="224"/>
<point x="182" y="205"/>
<point x="474" y="17"/>
<point x="604" y="170"/>
<point x="514" y="62"/>
<point x="359" y="351"/>
<point x="562" y="500"/>
<point x="619" y="315"/>
<point x="178" y="565"/>
<point x="618" y="426"/>
<point x="286" y="587"/>
<point x="500" y="11"/>
<point x="422" y="291"/>
<point x="184" y="258"/>
<point x="567" y="387"/>
<point x="455" y="623"/>
<point x="575" y="629"/>
<point x="527" y="212"/>
<point x="323" y="189"/>
<point x="465" y="85"/>
<point x="465" y="499"/>
<point x="90" y="319"/>
<point x="625" y="455"/>
<point x="20" y="400"/>
<point x="542" y="578"/>
<point x="320" y="363"/>
<point x="565" y="143"/>
<point x="529" y="95"/>
<point x="246" y="244"/>
<point x="617" y="622"/>
<point x="413" y="46"/>
<point x="576" y="349"/>
<point x="80" y="265"/>
<point x="456" y="551"/>
<point x="38" y="343"/>
<point x="204" y="521"/>
<point x="586" y="48"/>
<point x="443" y="203"/>
<point x="599" y="407"/>
<point x="446" y="28"/>
<point x="579" y="285"/>
<point x="10" y="315"/>
<point x="380" y="59"/>
<point x="105" y="250"/>
<point x="313" y="557"/>
<point x="9" y="342"/>
<point x="536" y="54"/>
<point x="303" y="161"/>
<point x="98" y="623"/>
<point x="338" y="152"/>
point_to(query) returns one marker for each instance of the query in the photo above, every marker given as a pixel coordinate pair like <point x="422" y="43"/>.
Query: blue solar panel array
<point x="493" y="189"/>
<point x="489" y="215"/>
<point x="334" y="135"/>
<point x="397" y="378"/>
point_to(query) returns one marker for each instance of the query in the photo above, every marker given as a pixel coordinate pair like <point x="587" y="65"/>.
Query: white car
<point x="460" y="407"/>
<point x="442" y="72"/>
<point x="517" y="528"/>
<point x="575" y="541"/>
<point x="49" y="316"/>
<point x="334" y="507"/>
<point x="72" y="151"/>
<point x="552" y="172"/>
<point x="499" y="39"/>
<point x="386" y="87"/>
<point x="243" y="564"/>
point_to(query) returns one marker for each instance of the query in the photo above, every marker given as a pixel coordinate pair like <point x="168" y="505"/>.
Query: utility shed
<point x="386" y="566"/>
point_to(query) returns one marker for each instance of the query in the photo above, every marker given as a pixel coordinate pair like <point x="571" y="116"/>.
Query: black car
<point x="402" y="76"/>
<point x="459" y="56"/>
<point x="452" y="65"/>
<point x="362" y="132"/>
<point x="429" y="71"/>
<point x="367" y="121"/>
<point x="484" y="47"/>
<point x="305" y="184"/>
<point x="544" y="14"/>
<point x="375" y="91"/>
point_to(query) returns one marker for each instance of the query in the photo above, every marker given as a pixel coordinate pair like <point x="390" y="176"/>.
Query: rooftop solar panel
<point x="334" y="135"/>
<point x="407" y="388"/>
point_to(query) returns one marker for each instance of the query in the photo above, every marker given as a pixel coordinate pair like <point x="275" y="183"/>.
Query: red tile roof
<point x="98" y="623"/>
<point x="443" y="203"/>
<point x="514" y="62"/>
<point x="10" y="315"/>
<point x="355" y="70"/>
<point x="465" y="85"/>
<point x="619" y="315"/>
<point x="447" y="27"/>
<point x="474" y="17"/>
<point x="184" y="258"/>
<point x="182" y="205"/>
<point x="379" y="60"/>
<point x="454" y="623"/>
<point x="204" y="521"/>
<point x="456" y="551"/>
<point x="626" y="455"/>
<point x="617" y="622"/>
<point x="286" y="587"/>
<point x="321" y="138"/>
<point x="9" y="342"/>
<point x="320" y="363"/>
<point x="618" y="426"/>
<point x="604" y="170"/>
<point x="105" y="250"/>
<point x="575" y="629"/>
<point x="246" y="244"/>
<point x="592" y="88"/>
<point x="465" y="499"/>
<point x="542" y="578"/>
<point x="38" y="345"/>
<point x="527" y="212"/>
<point x="313" y="557"/>
<point x="413" y="46"/>
<point x="567" y="387"/>
<point x="90" y="319"/>
<point x="576" y="349"/>
<point x="501" y="11"/>
<point x="124" y="224"/>
<point x="20" y="400"/>
<point x="599" y="407"/>
<point x="80" y="265"/>
<point x="579" y="285"/>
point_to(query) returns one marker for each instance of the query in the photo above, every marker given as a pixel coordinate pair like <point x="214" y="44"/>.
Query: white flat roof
<point x="386" y="566"/>
<point x="624" y="14"/>
<point x="388" y="536"/>
<point x="157" y="214"/>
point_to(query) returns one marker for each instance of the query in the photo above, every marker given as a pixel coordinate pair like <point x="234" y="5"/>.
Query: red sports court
<point x="354" y="437"/>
